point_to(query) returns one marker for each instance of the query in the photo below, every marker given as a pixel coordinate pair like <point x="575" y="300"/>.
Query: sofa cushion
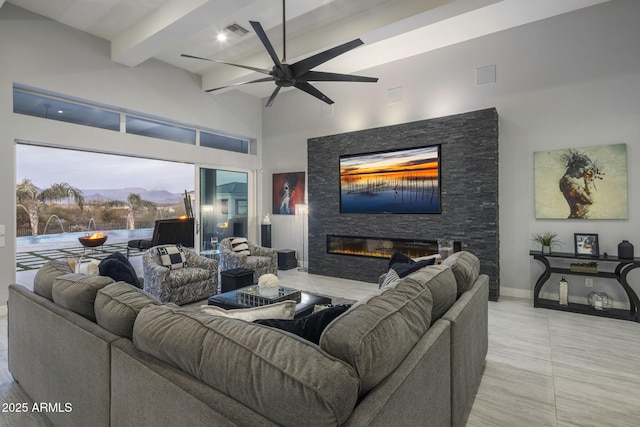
<point x="377" y="333"/>
<point x="77" y="292"/>
<point x="286" y="379"/>
<point x="466" y="268"/>
<point x="443" y="288"/>
<point x="117" y="305"/>
<point x="309" y="327"/>
<point x="118" y="267"/>
<point x="172" y="257"/>
<point x="43" y="280"/>
<point x="278" y="310"/>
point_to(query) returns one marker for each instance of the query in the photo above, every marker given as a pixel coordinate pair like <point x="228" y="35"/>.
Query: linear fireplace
<point x="374" y="247"/>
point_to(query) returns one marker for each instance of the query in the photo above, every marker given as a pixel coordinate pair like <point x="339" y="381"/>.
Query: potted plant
<point x="546" y="239"/>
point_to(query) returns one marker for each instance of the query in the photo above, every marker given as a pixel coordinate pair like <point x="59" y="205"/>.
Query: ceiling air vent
<point x="237" y="30"/>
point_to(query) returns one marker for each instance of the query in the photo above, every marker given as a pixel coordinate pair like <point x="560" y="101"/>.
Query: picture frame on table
<point x="586" y="245"/>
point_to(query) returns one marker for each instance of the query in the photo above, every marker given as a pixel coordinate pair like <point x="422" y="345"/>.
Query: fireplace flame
<point x="95" y="236"/>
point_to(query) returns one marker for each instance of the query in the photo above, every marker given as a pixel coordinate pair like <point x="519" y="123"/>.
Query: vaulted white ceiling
<point x="391" y="29"/>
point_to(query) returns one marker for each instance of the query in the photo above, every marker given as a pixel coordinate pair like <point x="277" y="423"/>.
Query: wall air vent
<point x="237" y="30"/>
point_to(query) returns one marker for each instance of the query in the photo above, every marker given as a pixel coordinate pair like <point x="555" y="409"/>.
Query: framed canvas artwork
<point x="288" y="191"/>
<point x="581" y="183"/>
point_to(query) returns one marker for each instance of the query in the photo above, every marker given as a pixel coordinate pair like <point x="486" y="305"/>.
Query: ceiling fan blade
<point x="302" y="66"/>
<point x="273" y="97"/>
<point x="264" y="79"/>
<point x="306" y="87"/>
<point x="259" y="70"/>
<point x="265" y="41"/>
<point x="319" y="76"/>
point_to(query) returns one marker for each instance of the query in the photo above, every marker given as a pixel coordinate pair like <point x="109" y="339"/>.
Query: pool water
<point x="72" y="238"/>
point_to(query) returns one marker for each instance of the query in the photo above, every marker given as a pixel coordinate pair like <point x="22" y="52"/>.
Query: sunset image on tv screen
<point x="405" y="181"/>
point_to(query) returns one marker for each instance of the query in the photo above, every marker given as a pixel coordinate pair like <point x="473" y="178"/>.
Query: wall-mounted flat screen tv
<point x="399" y="181"/>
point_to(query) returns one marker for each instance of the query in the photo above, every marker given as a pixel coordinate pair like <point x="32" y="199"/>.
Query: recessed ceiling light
<point x="222" y="37"/>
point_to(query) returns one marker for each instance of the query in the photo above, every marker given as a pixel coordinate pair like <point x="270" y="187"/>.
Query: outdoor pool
<point x="72" y="237"/>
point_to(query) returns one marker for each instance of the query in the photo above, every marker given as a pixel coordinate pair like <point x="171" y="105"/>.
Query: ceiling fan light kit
<point x="296" y="75"/>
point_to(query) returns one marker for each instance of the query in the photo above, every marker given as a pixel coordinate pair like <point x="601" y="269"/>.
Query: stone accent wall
<point x="469" y="179"/>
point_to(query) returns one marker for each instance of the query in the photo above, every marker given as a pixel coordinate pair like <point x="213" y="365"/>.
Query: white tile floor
<point x="544" y="367"/>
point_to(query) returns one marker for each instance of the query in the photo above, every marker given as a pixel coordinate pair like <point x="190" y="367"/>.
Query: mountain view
<point x="121" y="194"/>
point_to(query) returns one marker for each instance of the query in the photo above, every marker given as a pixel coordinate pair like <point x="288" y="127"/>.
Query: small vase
<point x="563" y="293"/>
<point x="445" y="248"/>
<point x="546" y="249"/>
<point x="271" y="291"/>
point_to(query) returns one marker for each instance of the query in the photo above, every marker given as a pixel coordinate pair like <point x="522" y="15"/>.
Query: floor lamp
<point x="302" y="211"/>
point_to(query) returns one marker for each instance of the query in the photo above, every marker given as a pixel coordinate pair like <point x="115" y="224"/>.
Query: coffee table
<point x="229" y="301"/>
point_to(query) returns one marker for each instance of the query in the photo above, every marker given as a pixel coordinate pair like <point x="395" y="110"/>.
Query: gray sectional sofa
<point x="412" y="354"/>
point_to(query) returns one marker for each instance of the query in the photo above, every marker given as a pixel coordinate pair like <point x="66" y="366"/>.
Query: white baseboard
<point x="516" y="293"/>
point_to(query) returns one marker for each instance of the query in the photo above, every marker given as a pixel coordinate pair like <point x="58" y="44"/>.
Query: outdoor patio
<point x="33" y="258"/>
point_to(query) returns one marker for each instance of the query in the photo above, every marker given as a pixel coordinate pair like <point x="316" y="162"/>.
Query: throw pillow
<point x="172" y="257"/>
<point x="240" y="245"/>
<point x="405" y="265"/>
<point x="91" y="268"/>
<point x="309" y="327"/>
<point x="399" y="257"/>
<point x="118" y="267"/>
<point x="278" y="310"/>
<point x="391" y="278"/>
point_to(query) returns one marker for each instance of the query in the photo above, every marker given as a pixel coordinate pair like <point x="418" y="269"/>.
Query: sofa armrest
<point x="262" y="251"/>
<point x="59" y="356"/>
<point x="195" y="260"/>
<point x="417" y="392"/>
<point x="469" y="344"/>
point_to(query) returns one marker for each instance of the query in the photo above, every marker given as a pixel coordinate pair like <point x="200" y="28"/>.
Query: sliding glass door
<point x="224" y="206"/>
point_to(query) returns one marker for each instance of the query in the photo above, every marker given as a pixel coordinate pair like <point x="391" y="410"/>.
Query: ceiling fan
<point x="298" y="74"/>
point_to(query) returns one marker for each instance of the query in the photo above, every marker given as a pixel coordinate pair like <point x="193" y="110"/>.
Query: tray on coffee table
<point x="251" y="296"/>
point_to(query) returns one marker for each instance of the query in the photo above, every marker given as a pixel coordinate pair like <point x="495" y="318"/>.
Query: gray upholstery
<point x="469" y="346"/>
<point x="443" y="287"/>
<point x="196" y="282"/>
<point x="466" y="268"/>
<point x="211" y="348"/>
<point x="375" y="334"/>
<point x="417" y="392"/>
<point x="262" y="260"/>
<point x="59" y="356"/>
<point x="77" y="292"/>
<point x="117" y="305"/>
<point x="43" y="280"/>
<point x="191" y="368"/>
<point x="146" y="391"/>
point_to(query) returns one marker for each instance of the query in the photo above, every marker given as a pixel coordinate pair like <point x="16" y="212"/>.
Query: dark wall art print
<point x="581" y="183"/>
<point x="288" y="191"/>
<point x="400" y="181"/>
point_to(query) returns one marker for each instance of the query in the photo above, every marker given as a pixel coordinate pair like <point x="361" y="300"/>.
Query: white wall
<point x="41" y="53"/>
<point x="569" y="81"/>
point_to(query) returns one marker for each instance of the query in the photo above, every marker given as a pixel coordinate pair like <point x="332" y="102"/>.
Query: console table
<point x="622" y="269"/>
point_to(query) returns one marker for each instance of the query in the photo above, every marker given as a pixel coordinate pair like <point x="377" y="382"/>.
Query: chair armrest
<point x="157" y="270"/>
<point x="262" y="251"/>
<point x="195" y="260"/>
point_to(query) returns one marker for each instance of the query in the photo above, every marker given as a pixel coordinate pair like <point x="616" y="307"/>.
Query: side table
<point x="235" y="278"/>
<point x="287" y="259"/>
<point x="622" y="270"/>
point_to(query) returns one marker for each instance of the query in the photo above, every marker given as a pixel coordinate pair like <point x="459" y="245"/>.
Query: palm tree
<point x="136" y="204"/>
<point x="31" y="199"/>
